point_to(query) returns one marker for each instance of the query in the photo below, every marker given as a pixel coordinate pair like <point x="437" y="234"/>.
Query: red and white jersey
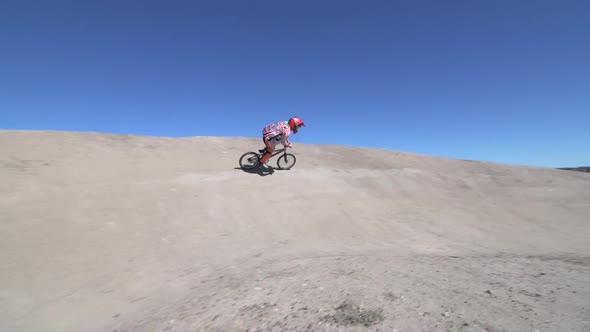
<point x="275" y="129"/>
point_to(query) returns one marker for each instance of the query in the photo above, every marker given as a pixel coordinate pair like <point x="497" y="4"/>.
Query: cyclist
<point x="274" y="133"/>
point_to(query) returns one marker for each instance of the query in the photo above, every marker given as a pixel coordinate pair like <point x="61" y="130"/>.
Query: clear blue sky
<point x="505" y="81"/>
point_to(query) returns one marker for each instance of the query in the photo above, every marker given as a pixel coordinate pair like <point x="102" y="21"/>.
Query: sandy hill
<point x="103" y="232"/>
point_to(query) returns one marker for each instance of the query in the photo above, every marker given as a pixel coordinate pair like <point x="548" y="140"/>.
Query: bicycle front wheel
<point x="286" y="161"/>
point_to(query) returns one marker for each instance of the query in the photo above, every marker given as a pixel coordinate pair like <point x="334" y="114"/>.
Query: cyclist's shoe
<point x="262" y="150"/>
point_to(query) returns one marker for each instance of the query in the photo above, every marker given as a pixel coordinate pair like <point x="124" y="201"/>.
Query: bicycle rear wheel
<point x="249" y="160"/>
<point x="286" y="161"/>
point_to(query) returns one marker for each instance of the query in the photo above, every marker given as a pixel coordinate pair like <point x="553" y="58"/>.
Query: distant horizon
<point x="500" y="81"/>
<point x="294" y="143"/>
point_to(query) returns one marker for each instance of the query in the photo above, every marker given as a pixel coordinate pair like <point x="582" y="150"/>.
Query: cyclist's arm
<point x="285" y="139"/>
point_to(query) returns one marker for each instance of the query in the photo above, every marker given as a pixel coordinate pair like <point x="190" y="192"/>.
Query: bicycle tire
<point x="247" y="156"/>
<point x="289" y="159"/>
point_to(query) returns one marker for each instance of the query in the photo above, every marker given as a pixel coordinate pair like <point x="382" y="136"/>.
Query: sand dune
<point x="104" y="232"/>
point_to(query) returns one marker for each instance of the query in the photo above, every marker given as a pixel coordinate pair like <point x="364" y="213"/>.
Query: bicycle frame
<point x="279" y="151"/>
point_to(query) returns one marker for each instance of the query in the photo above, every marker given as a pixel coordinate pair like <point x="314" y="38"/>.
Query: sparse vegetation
<point x="350" y="314"/>
<point x="578" y="169"/>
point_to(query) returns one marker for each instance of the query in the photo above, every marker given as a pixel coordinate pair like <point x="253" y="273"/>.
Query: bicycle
<point x="254" y="158"/>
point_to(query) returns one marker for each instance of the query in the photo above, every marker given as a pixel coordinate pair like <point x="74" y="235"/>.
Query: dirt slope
<point x="126" y="233"/>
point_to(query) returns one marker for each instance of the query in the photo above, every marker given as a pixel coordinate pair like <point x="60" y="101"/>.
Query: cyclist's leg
<point x="270" y="144"/>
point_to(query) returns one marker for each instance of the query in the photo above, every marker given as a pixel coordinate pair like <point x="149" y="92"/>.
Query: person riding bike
<point x="274" y="133"/>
